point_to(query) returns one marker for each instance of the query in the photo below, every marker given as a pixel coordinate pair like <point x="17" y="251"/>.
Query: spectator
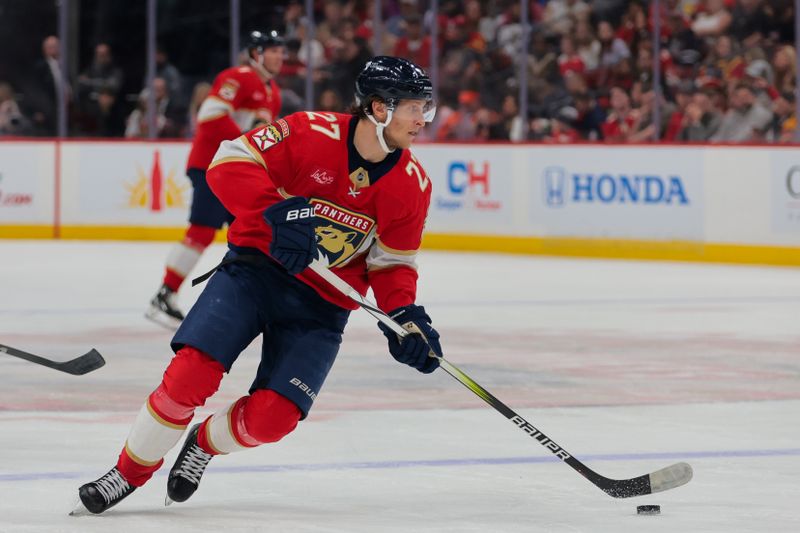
<point x="591" y="117"/>
<point x="612" y="48"/>
<point x="413" y="45"/>
<point x="701" y="119"/>
<point x="46" y="82"/>
<point x="683" y="98"/>
<point x="560" y="15"/>
<point x="199" y="94"/>
<point x="102" y="116"/>
<point x="562" y="127"/>
<point x="570" y="60"/>
<point x="509" y="126"/>
<point x="170" y="74"/>
<point x="462" y="123"/>
<point x="784" y="63"/>
<point x="587" y="45"/>
<point x="169" y="114"/>
<point x="329" y="101"/>
<point x="745" y="119"/>
<point x="713" y="21"/>
<point x="622" y="119"/>
<point x="102" y="77"/>
<point x="784" y="123"/>
<point x="752" y="22"/>
<point x="12" y="122"/>
<point x="102" y="73"/>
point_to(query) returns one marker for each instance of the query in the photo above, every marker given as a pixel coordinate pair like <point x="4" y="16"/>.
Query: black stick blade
<point x="84" y="364"/>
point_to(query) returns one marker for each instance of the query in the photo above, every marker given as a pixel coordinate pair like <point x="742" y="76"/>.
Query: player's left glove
<point x="414" y="349"/>
<point x="294" y="241"/>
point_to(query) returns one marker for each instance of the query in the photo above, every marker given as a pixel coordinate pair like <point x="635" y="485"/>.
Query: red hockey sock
<point x="186" y="254"/>
<point x="189" y="380"/>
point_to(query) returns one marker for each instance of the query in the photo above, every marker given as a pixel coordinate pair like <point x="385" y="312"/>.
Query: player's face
<point x="273" y="59"/>
<point x="407" y="122"/>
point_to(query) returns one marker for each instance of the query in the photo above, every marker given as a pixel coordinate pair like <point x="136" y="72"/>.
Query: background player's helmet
<point x="259" y="40"/>
<point x="393" y="79"/>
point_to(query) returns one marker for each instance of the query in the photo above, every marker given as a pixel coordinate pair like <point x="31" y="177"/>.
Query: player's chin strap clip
<point x="380" y="126"/>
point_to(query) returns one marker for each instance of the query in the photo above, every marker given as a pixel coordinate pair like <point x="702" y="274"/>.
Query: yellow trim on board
<point x="616" y="249"/>
<point x="555" y="246"/>
<point x="27" y="232"/>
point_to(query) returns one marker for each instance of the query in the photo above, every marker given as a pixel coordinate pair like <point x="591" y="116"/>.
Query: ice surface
<point x="630" y="366"/>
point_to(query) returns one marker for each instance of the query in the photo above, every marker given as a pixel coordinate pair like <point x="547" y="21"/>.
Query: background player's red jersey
<point x="237" y="98"/>
<point x="369" y="217"/>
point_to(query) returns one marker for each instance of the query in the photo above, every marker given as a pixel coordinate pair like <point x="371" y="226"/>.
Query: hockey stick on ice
<point x="658" y="481"/>
<point x="84" y="364"/>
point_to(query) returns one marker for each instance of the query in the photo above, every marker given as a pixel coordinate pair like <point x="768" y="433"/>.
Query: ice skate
<point x="103" y="493"/>
<point x="164" y="310"/>
<point x="184" y="477"/>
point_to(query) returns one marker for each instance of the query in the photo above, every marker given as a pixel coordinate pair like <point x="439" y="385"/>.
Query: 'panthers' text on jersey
<point x="237" y="98"/>
<point x="369" y="216"/>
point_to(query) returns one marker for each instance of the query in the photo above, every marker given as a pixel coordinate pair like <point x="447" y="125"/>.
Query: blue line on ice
<point x="377" y="465"/>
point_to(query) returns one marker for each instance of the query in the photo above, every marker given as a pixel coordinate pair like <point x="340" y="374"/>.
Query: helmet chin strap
<point x="258" y="66"/>
<point x="380" y="126"/>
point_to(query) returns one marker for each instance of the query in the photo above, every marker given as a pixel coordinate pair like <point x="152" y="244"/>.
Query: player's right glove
<point x="294" y="242"/>
<point x="414" y="349"/>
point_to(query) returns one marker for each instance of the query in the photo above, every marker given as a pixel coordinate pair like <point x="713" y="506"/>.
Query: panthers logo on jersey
<point x="341" y="233"/>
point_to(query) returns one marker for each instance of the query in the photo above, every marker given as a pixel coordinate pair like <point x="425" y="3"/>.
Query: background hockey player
<point x="341" y="188"/>
<point x="240" y="97"/>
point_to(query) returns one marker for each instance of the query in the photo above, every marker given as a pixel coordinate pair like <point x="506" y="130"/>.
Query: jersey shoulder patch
<point x="270" y="135"/>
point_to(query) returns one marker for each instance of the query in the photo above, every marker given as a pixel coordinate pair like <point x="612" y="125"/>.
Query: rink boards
<point x="705" y="203"/>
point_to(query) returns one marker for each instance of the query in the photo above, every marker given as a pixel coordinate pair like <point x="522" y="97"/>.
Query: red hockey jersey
<point x="369" y="216"/>
<point x="237" y="98"/>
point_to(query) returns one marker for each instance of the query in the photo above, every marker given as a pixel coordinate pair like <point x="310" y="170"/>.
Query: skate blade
<point x="162" y="319"/>
<point x="79" y="509"/>
<point x="167" y="501"/>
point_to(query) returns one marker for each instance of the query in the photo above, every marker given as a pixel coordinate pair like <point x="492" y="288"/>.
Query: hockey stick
<point x="658" y="481"/>
<point x="84" y="364"/>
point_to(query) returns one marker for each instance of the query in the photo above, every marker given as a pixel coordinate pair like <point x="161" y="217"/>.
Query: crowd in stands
<point x="727" y="71"/>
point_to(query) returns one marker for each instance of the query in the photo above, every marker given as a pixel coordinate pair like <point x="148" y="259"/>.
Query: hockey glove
<point x="414" y="349"/>
<point x="294" y="242"/>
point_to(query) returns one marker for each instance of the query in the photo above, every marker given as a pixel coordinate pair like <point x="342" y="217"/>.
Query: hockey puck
<point x="648" y="509"/>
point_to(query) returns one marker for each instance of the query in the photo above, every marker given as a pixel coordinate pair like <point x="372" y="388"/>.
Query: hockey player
<point x="343" y="189"/>
<point x="240" y="98"/>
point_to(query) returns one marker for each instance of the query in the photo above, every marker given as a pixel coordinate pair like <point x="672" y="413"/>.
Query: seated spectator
<point x="508" y="126"/>
<point x="612" y="48"/>
<point x="413" y="45"/>
<point x="461" y="124"/>
<point x="683" y="97"/>
<point x="591" y="117"/>
<point x="98" y="90"/>
<point x="169" y="73"/>
<point x="622" y="118"/>
<point x="752" y="22"/>
<point x="199" y="94"/>
<point x="587" y="46"/>
<point x="12" y="122"/>
<point x="562" y="127"/>
<point x="102" y="73"/>
<point x="784" y="121"/>
<point x="570" y="60"/>
<point x="102" y="116"/>
<point x="329" y="101"/>
<point x="745" y="119"/>
<point x="701" y="119"/>
<point x="713" y="21"/>
<point x="784" y="64"/>
<point x="169" y="115"/>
